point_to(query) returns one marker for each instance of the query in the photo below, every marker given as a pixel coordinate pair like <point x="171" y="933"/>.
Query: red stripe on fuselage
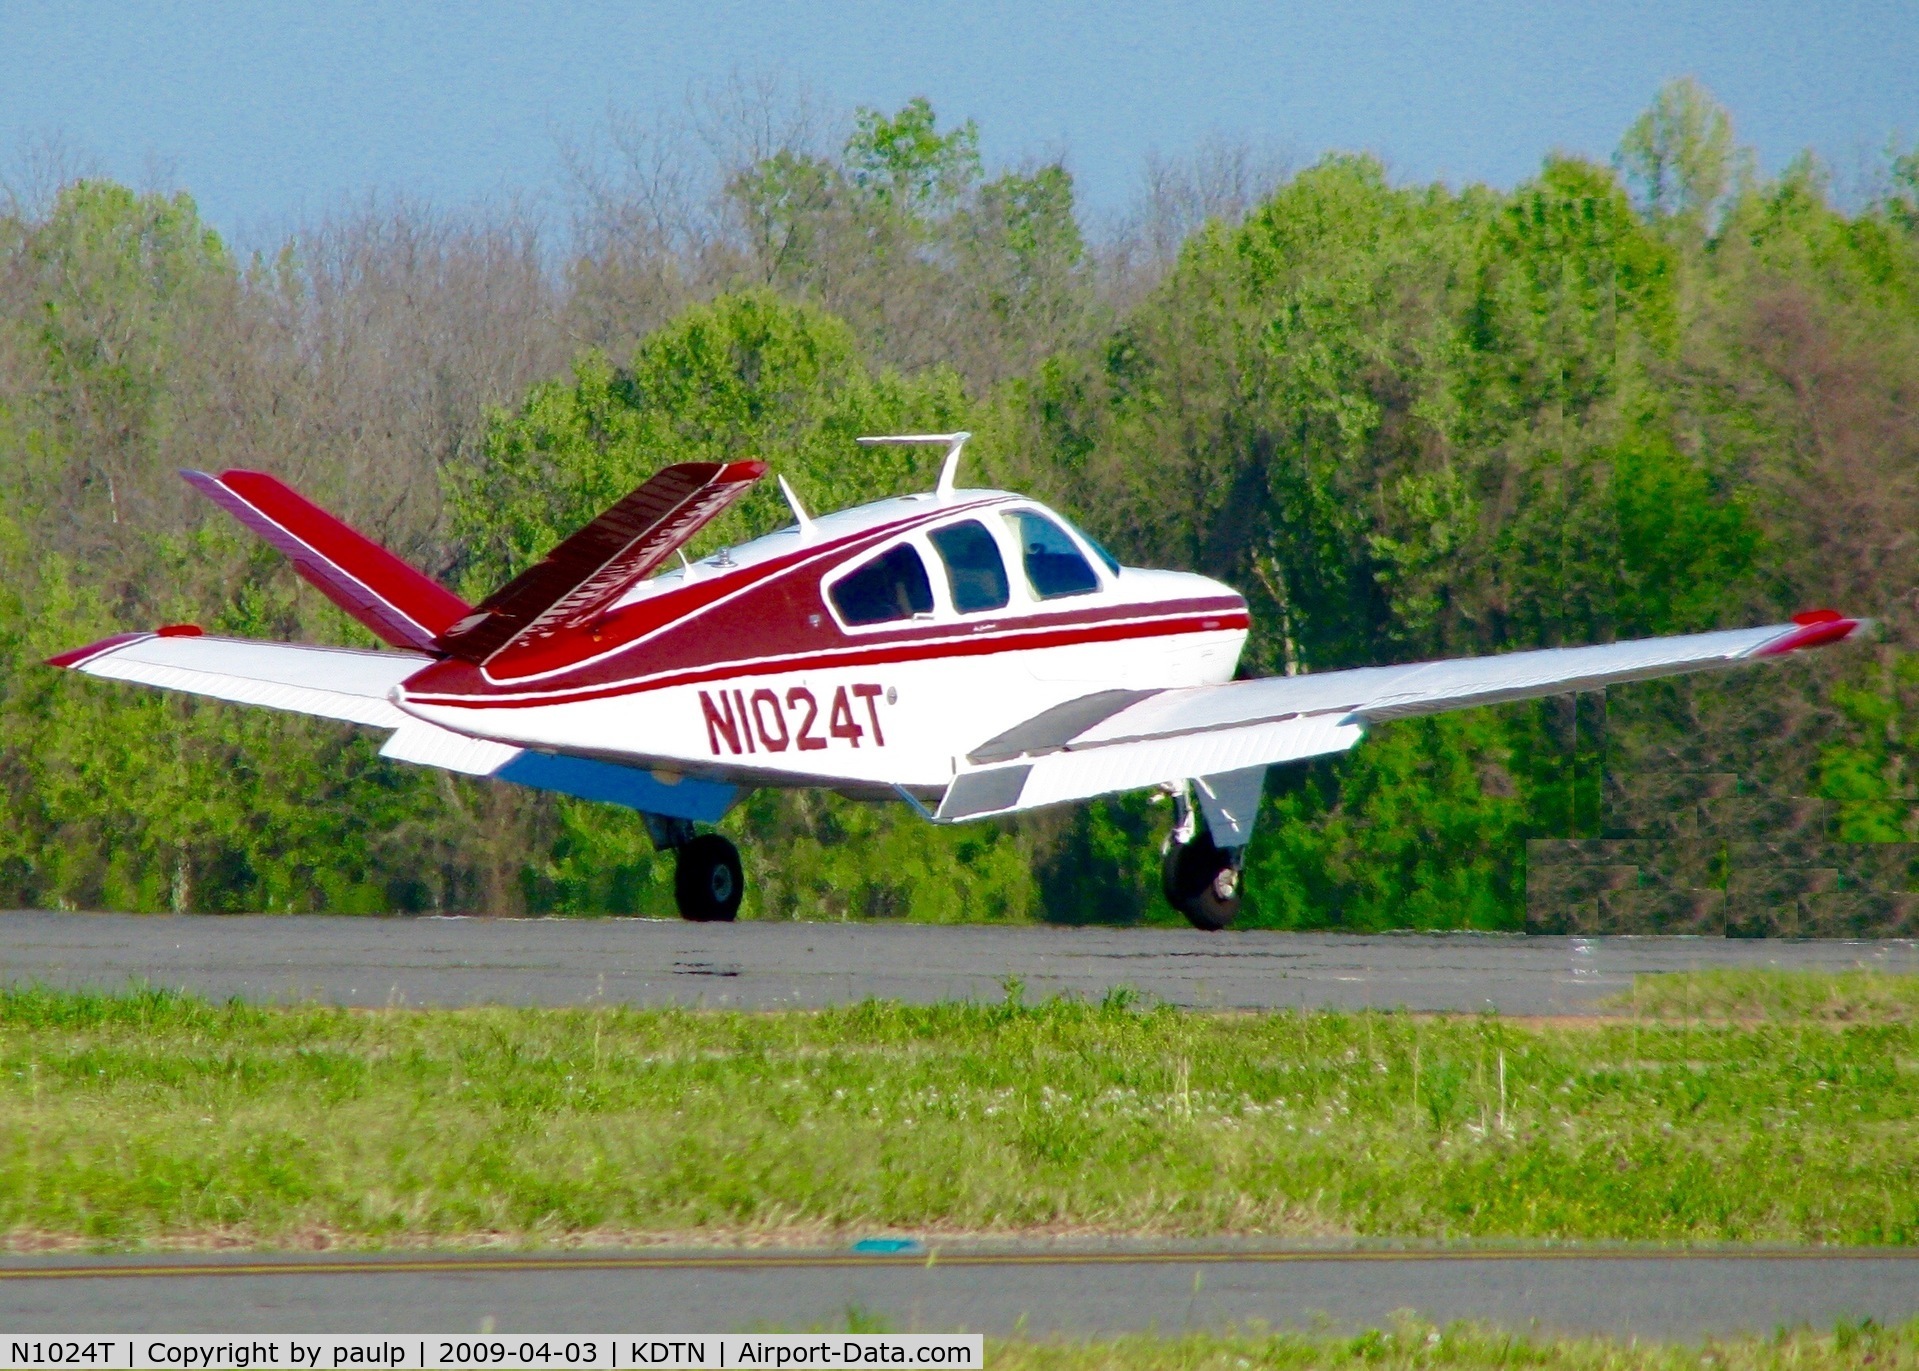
<point x="874" y="654"/>
<point x="772" y="617"/>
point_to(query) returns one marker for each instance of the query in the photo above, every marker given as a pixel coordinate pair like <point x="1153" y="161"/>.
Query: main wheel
<point x="707" y="881"/>
<point x="1202" y="882"/>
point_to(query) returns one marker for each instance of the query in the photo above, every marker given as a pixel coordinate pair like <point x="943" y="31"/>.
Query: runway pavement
<point x="1107" y="1289"/>
<point x="432" y="961"/>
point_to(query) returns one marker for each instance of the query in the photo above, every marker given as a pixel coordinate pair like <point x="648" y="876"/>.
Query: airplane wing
<point x="1126" y="740"/>
<point x="328" y="682"/>
<point x="591" y="569"/>
<point x="341" y="683"/>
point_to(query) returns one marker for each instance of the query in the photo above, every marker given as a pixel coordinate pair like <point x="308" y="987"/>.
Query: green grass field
<point x="152" y="1119"/>
<point x="1416" y="1346"/>
<point x="1839" y="997"/>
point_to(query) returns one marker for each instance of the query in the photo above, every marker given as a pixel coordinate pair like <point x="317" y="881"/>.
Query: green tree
<point x="903" y="161"/>
<point x="1680" y="153"/>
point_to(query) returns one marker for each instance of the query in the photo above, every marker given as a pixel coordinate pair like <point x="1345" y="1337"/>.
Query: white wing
<point x="1123" y="740"/>
<point x="330" y="682"/>
<point x="341" y="683"/>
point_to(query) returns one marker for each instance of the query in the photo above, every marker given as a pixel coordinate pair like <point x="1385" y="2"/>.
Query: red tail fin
<point x="404" y="607"/>
<point x="588" y="571"/>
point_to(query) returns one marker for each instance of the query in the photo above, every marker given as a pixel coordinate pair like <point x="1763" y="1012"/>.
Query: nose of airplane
<point x="1225" y="591"/>
<point x="1150" y="585"/>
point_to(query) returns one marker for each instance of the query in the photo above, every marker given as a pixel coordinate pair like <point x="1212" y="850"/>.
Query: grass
<point x="153" y="1119"/>
<point x="1417" y="1346"/>
<point x="1860" y="996"/>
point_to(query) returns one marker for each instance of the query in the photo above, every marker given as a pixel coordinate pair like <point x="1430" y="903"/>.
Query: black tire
<point x="707" y="880"/>
<point x="1201" y="882"/>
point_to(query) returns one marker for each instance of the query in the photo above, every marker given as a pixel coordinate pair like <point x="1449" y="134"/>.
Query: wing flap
<point x="1081" y="774"/>
<point x="588" y="571"/>
<point x="326" y="682"/>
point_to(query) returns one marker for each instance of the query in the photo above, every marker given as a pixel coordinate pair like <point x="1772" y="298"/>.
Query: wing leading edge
<point x="1215" y="731"/>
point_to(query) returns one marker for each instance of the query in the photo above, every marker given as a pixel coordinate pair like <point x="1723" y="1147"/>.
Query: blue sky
<point x="270" y="112"/>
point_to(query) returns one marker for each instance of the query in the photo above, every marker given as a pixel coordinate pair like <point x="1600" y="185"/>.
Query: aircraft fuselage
<point x="751" y="667"/>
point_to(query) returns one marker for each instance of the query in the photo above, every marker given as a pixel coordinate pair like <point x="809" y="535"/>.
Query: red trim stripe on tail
<point x="402" y="606"/>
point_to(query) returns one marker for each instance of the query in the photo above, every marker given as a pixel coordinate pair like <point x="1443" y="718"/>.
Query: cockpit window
<point x="974" y="568"/>
<point x="1054" y="567"/>
<point x="891" y="586"/>
<point x="1112" y="562"/>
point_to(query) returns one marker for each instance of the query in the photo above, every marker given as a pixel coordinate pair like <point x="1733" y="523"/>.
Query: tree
<point x="904" y="162"/>
<point x="1680" y="155"/>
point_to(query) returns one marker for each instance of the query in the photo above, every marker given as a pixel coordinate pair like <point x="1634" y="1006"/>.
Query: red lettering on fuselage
<point x="808" y="740"/>
<point x="746" y="724"/>
<point x="871" y="694"/>
<point x="843" y="725"/>
<point x="720" y="725"/>
<point x="766" y="703"/>
<point x="759" y="722"/>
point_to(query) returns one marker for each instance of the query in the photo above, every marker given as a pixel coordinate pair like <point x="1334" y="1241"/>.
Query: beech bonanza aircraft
<point x="967" y="651"/>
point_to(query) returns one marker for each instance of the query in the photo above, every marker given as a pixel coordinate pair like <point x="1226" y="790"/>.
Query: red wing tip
<point x="233" y="477"/>
<point x="743" y="471"/>
<point x="79" y="656"/>
<point x="1816" y="628"/>
<point x="179" y="631"/>
<point x="204" y="479"/>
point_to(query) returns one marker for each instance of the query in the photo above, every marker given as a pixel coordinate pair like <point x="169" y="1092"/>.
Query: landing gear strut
<point x="1200" y="878"/>
<point x="707" y="878"/>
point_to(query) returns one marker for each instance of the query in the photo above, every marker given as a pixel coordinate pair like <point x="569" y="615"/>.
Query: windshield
<point x="1054" y="566"/>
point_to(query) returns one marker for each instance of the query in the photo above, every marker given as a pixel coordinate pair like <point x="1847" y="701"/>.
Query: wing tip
<point x="1814" y="628"/>
<point x="73" y="659"/>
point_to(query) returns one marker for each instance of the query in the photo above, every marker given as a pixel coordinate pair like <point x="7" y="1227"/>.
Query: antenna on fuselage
<point x="807" y="527"/>
<point x="948" y="469"/>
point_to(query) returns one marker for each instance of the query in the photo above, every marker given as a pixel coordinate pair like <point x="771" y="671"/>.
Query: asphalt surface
<point x="1111" y="1289"/>
<point x="433" y="961"/>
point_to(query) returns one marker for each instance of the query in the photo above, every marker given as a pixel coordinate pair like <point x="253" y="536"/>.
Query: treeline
<point x="1662" y="395"/>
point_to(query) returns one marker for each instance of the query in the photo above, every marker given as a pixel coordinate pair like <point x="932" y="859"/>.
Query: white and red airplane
<point x="967" y="651"/>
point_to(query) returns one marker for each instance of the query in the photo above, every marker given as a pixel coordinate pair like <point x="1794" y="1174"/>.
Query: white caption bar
<point x="606" y="1351"/>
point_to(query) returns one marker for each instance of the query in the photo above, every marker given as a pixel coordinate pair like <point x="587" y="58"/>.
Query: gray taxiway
<point x="453" y="961"/>
<point x="1038" y="1291"/>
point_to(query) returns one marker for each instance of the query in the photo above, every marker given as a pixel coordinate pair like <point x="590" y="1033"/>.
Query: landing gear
<point x="707" y="880"/>
<point x="1202" y="882"/>
<point x="1200" y="878"/>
